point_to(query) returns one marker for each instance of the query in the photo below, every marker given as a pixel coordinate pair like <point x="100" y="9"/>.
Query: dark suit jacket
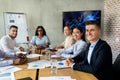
<point x="100" y="63"/>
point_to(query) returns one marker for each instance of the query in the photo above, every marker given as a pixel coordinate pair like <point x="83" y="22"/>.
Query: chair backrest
<point x="116" y="67"/>
<point x="116" y="64"/>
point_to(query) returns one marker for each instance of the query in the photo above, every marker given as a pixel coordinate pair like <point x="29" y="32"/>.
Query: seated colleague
<point x="40" y="40"/>
<point x="97" y="58"/>
<point x="17" y="59"/>
<point x="69" y="40"/>
<point x="76" y="48"/>
<point x="8" y="43"/>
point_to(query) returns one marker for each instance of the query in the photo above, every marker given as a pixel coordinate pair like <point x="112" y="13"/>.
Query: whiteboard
<point x="18" y="19"/>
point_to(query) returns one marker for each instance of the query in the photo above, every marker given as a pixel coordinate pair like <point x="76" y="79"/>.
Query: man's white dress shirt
<point x="8" y="45"/>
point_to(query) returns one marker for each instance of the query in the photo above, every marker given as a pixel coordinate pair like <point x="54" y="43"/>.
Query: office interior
<point x="49" y="14"/>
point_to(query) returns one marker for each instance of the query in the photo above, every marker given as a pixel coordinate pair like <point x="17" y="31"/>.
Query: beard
<point x="13" y="37"/>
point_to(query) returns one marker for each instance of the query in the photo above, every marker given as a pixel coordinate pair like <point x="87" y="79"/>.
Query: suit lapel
<point x="94" y="53"/>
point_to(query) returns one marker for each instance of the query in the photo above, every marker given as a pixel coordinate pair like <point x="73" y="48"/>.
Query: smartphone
<point x="26" y="78"/>
<point x="52" y="50"/>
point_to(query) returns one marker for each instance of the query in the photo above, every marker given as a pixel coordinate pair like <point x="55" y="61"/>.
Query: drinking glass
<point x="47" y="55"/>
<point x="54" y="66"/>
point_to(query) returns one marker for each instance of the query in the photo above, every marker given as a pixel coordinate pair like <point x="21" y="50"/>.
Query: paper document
<point x="56" y="78"/>
<point x="7" y="76"/>
<point x="33" y="55"/>
<point x="38" y="64"/>
<point x="9" y="69"/>
<point x="56" y="56"/>
<point x="18" y="52"/>
<point x="46" y="63"/>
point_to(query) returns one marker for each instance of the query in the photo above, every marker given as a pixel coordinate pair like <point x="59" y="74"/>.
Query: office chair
<point x="116" y="68"/>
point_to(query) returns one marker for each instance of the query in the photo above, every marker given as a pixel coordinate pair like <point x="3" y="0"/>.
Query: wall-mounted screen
<point x="78" y="18"/>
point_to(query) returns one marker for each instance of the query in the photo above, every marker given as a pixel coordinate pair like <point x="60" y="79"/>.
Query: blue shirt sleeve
<point x="33" y="40"/>
<point x="47" y="39"/>
<point x="76" y="49"/>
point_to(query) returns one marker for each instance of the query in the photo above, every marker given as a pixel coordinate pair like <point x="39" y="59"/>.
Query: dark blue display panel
<point x="78" y="18"/>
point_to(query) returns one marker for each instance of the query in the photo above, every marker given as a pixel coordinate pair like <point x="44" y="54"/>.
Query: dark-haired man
<point x="8" y="43"/>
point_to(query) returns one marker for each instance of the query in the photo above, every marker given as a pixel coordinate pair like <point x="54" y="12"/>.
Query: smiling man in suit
<point x="97" y="59"/>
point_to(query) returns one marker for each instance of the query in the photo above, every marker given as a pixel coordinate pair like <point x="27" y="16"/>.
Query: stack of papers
<point x="8" y="69"/>
<point x="7" y="73"/>
<point x="7" y="76"/>
<point x="56" y="78"/>
<point x="33" y="55"/>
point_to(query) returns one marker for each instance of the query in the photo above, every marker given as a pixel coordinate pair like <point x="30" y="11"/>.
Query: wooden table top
<point x="78" y="75"/>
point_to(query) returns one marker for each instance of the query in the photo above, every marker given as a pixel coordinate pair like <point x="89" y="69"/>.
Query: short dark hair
<point x="93" y="22"/>
<point x="36" y="32"/>
<point x="13" y="26"/>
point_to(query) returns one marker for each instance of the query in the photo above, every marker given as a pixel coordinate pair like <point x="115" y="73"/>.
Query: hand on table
<point x="52" y="52"/>
<point x="19" y="61"/>
<point x="21" y="49"/>
<point x="69" y="62"/>
<point x="21" y="55"/>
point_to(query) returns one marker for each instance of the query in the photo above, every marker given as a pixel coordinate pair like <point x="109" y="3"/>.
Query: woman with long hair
<point x="79" y="46"/>
<point x="40" y="40"/>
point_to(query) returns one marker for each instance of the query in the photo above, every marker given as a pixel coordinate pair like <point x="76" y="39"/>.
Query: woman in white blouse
<point x="69" y="40"/>
<point x="76" y="48"/>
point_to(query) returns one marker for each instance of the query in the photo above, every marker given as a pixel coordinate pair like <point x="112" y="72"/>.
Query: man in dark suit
<point x="97" y="59"/>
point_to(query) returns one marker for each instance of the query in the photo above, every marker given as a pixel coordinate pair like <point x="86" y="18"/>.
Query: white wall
<point x="47" y="13"/>
<point x="30" y="7"/>
<point x="51" y="14"/>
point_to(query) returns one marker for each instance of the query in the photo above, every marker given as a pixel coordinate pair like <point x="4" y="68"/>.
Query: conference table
<point x="35" y="74"/>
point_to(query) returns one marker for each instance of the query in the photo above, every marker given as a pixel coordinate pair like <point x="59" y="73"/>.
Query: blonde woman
<point x="69" y="40"/>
